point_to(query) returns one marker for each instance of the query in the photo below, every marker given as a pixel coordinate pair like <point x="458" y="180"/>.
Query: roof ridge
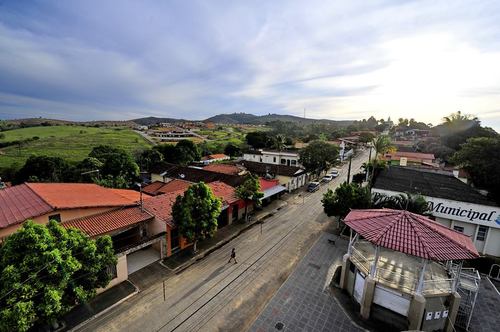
<point x="419" y="236"/>
<point x="41" y="197"/>
<point x="440" y="229"/>
<point x="388" y="226"/>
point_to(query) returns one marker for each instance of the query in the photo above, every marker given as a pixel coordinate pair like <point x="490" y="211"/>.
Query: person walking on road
<point x="233" y="256"/>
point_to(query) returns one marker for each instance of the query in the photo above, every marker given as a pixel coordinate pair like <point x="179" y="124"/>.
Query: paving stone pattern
<point x="304" y="302"/>
<point x="485" y="316"/>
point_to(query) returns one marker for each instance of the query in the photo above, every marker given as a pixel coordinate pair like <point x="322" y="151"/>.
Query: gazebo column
<point x="417" y="305"/>
<point x="369" y="288"/>
<point x="344" y="276"/>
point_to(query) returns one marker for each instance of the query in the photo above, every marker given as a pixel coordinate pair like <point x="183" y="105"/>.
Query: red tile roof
<point x="78" y="195"/>
<point x="224" y="168"/>
<point x="224" y="192"/>
<point x="412" y="156"/>
<point x="131" y="194"/>
<point x="266" y="184"/>
<point x="161" y="206"/>
<point x="411" y="234"/>
<point x="215" y="156"/>
<point x="158" y="187"/>
<point x="19" y="203"/>
<point x="109" y="221"/>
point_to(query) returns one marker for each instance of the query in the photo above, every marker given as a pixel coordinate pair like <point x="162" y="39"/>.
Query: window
<point x="458" y="229"/>
<point x="56" y="217"/>
<point x="481" y="233"/>
<point x="111" y="271"/>
<point x="274" y="159"/>
<point x="283" y="161"/>
<point x="294" y="162"/>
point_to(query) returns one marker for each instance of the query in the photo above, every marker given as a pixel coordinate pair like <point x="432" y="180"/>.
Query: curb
<point x="225" y="241"/>
<point x="85" y="322"/>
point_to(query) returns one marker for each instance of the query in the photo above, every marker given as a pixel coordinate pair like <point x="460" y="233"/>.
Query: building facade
<point x="287" y="158"/>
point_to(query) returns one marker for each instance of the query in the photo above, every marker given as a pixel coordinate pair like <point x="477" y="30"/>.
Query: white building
<point x="287" y="158"/>
<point x="453" y="203"/>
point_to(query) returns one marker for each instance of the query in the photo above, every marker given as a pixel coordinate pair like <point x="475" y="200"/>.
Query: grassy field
<point x="72" y="143"/>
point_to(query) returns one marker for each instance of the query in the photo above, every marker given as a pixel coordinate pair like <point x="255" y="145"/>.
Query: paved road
<point x="214" y="295"/>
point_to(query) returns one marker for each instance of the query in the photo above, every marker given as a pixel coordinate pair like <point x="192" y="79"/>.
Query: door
<point x="174" y="239"/>
<point x="392" y="300"/>
<point x="359" y="285"/>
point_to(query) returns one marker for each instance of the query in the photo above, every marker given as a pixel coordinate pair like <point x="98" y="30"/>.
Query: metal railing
<point x="406" y="282"/>
<point x="437" y="286"/>
<point x="360" y="260"/>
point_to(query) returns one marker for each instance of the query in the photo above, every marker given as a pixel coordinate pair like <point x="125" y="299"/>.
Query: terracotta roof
<point x="428" y="183"/>
<point x="161" y="206"/>
<point x="109" y="221"/>
<point x="215" y="156"/>
<point x="131" y="194"/>
<point x="224" y="192"/>
<point x="78" y="195"/>
<point x="19" y="203"/>
<point x="158" y="187"/>
<point x="411" y="234"/>
<point x="266" y="184"/>
<point x="196" y="174"/>
<point x="224" y="168"/>
<point x="414" y="156"/>
<point x="262" y="168"/>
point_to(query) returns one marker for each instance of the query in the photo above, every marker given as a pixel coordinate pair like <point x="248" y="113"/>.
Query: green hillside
<point x="72" y="143"/>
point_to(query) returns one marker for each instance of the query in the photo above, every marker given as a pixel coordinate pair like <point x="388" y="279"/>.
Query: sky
<point x="116" y="60"/>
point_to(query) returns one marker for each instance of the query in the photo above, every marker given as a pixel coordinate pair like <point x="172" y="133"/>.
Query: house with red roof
<point x="161" y="205"/>
<point x="212" y="158"/>
<point x="405" y="158"/>
<point x="96" y="211"/>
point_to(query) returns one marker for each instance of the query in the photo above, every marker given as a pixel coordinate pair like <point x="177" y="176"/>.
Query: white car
<point x="327" y="178"/>
<point x="334" y="173"/>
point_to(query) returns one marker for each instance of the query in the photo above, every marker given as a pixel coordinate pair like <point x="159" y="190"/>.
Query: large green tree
<point x="44" y="169"/>
<point x="46" y="270"/>
<point x="318" y="156"/>
<point x="249" y="191"/>
<point x="381" y="144"/>
<point x="195" y="213"/>
<point x="344" y="198"/>
<point x="258" y="139"/>
<point x="117" y="163"/>
<point x="480" y="157"/>
<point x="187" y="152"/>
<point x="149" y="158"/>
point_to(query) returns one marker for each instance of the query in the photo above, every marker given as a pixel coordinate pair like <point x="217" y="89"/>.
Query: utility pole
<point x="368" y="164"/>
<point x="349" y="170"/>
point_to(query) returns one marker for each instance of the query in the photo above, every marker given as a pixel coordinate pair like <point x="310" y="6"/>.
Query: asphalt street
<point x="215" y="295"/>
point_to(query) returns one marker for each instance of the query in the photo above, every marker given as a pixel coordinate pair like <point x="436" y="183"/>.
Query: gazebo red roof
<point x="411" y="234"/>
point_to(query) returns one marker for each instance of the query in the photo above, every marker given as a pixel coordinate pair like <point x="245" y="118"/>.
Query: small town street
<point x="213" y="294"/>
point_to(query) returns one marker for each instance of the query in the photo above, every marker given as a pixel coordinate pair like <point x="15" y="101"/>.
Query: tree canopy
<point x="344" y="198"/>
<point x="381" y="144"/>
<point x="195" y="213"/>
<point x="318" y="156"/>
<point x="250" y="191"/>
<point x="258" y="139"/>
<point x="412" y="203"/>
<point x="480" y="157"/>
<point x="46" y="270"/>
<point x="44" y="169"/>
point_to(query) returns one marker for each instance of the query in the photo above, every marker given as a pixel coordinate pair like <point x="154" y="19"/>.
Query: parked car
<point x="334" y="173"/>
<point x="327" y="178"/>
<point x="312" y="186"/>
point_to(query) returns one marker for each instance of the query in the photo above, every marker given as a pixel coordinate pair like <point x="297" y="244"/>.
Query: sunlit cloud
<point x="195" y="59"/>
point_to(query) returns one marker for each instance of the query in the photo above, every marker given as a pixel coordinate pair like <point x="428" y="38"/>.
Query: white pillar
<point x="373" y="269"/>
<point x="485" y="251"/>
<point x="420" y="286"/>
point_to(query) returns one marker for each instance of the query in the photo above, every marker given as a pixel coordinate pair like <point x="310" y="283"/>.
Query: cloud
<point x="338" y="60"/>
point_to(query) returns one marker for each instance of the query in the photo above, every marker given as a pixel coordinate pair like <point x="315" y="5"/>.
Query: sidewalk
<point x="182" y="260"/>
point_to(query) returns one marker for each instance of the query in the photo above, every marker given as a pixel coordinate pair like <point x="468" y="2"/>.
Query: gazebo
<point x="407" y="265"/>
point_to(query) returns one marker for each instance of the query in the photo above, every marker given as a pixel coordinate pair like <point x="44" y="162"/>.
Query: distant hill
<point x="35" y="122"/>
<point x="245" y="118"/>
<point x="151" y="120"/>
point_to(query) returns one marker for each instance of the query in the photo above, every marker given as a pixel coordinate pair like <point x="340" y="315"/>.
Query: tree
<point x="366" y="137"/>
<point x="195" y="213"/>
<point x="46" y="270"/>
<point x="168" y="152"/>
<point x="117" y="163"/>
<point x="257" y="139"/>
<point x="45" y="169"/>
<point x="148" y="158"/>
<point x="232" y="150"/>
<point x="250" y="191"/>
<point x="480" y="157"/>
<point x="88" y="169"/>
<point x="381" y="144"/>
<point x="186" y="152"/>
<point x="412" y="203"/>
<point x="318" y="156"/>
<point x="344" y="198"/>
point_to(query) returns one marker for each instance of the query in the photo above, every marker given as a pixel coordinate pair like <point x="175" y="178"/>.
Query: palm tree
<point x="412" y="203"/>
<point x="381" y="144"/>
<point x="458" y="117"/>
<point x="279" y="144"/>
